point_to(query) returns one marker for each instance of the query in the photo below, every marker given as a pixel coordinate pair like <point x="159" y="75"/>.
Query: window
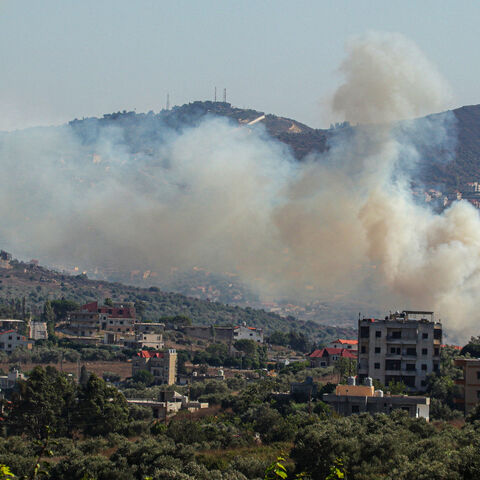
<point x="18" y="338"/>
<point x="424" y="335"/>
<point x="355" y="409"/>
<point x="397" y="334"/>
<point x="423" y="383"/>
<point x="478" y="394"/>
<point x="377" y="366"/>
<point x="437" y="334"/>
<point x="10" y="337"/>
<point x="410" y="367"/>
<point x="436" y="352"/>
<point x="364" y="332"/>
<point x="363" y="349"/>
<point x="378" y="350"/>
<point x="392" y="365"/>
<point x="435" y="367"/>
<point x="478" y="375"/>
<point x="378" y="333"/>
<point x="424" y="351"/>
<point x="424" y="366"/>
<point x="411" y="351"/>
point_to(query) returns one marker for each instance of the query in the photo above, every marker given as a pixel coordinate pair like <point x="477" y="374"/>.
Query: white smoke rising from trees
<point x="232" y="199"/>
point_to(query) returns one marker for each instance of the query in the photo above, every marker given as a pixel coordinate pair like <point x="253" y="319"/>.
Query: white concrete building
<point x="403" y="347"/>
<point x="38" y="331"/>
<point x="11" y="339"/>
<point x="242" y="332"/>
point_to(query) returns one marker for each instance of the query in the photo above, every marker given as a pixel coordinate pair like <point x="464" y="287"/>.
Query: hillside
<point x="144" y="132"/>
<point x="38" y="284"/>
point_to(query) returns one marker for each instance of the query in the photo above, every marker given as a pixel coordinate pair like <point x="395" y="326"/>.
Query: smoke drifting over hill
<point x="230" y="198"/>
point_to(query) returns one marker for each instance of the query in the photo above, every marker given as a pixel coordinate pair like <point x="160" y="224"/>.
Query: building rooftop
<point x="325" y="352"/>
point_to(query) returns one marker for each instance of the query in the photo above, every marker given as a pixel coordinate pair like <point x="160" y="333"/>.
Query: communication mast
<point x="224" y="95"/>
<point x="215" y="95"/>
<point x="168" y="101"/>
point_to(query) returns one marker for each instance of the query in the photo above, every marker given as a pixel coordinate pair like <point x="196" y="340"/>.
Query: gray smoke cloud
<point x="231" y="199"/>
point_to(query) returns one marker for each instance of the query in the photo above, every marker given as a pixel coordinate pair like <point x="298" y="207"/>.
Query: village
<point x="351" y="375"/>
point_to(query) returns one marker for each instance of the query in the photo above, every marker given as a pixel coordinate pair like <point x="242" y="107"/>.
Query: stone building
<point x="162" y="365"/>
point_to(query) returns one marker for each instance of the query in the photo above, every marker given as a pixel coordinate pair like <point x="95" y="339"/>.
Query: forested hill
<point x="38" y="284"/>
<point x="144" y="132"/>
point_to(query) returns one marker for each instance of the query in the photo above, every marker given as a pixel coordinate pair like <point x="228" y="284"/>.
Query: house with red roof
<point x="344" y="343"/>
<point x="327" y="357"/>
<point x="162" y="365"/>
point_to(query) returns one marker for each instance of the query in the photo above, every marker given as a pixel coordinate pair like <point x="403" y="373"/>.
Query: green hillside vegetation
<point x="88" y="431"/>
<point x="38" y="285"/>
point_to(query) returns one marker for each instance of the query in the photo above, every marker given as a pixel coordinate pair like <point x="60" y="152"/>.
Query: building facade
<point x="469" y="384"/>
<point x="11" y="339"/>
<point x="38" y="331"/>
<point x="93" y="319"/>
<point x="403" y="347"/>
<point x="351" y="399"/>
<point x="162" y="365"/>
<point x="227" y="334"/>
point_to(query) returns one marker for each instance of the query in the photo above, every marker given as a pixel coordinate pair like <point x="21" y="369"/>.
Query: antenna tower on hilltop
<point x="168" y="101"/>
<point x="215" y="95"/>
<point x="224" y="95"/>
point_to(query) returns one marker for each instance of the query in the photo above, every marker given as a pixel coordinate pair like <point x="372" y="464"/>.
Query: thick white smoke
<point x="233" y="200"/>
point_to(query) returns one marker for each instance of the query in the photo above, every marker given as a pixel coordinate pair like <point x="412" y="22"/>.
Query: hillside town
<point x="404" y="350"/>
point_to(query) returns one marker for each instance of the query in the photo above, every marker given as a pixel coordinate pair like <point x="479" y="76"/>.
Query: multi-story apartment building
<point x="162" y="365"/>
<point x="469" y="384"/>
<point x="91" y="319"/>
<point x="403" y="347"/>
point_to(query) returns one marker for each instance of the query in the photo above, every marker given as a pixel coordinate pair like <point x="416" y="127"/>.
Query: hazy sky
<point x="62" y="59"/>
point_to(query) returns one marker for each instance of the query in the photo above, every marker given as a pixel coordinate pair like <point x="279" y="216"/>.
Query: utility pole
<point x="224" y="95"/>
<point x="215" y="95"/>
<point x="168" y="101"/>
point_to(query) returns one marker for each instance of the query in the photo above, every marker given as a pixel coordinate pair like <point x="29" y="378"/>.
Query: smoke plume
<point x="231" y="199"/>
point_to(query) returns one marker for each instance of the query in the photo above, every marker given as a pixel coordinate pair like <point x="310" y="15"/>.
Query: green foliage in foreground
<point x="91" y="432"/>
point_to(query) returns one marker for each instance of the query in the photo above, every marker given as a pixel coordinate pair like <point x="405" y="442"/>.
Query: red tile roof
<point x="149" y="354"/>
<point x="325" y="352"/>
<point x="456" y="347"/>
<point x="344" y="341"/>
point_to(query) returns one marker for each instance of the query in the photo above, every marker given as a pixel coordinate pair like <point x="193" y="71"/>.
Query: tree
<point x="108" y="302"/>
<point x="101" y="409"/>
<point x="84" y="375"/>
<point x="62" y="307"/>
<point x="43" y="402"/>
<point x="144" y="376"/>
<point x="48" y="313"/>
<point x="346" y="367"/>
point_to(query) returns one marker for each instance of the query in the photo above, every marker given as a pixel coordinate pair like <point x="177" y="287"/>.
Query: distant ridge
<point x="146" y="128"/>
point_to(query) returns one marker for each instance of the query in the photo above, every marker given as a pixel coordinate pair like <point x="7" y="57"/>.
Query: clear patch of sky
<point x="63" y="59"/>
